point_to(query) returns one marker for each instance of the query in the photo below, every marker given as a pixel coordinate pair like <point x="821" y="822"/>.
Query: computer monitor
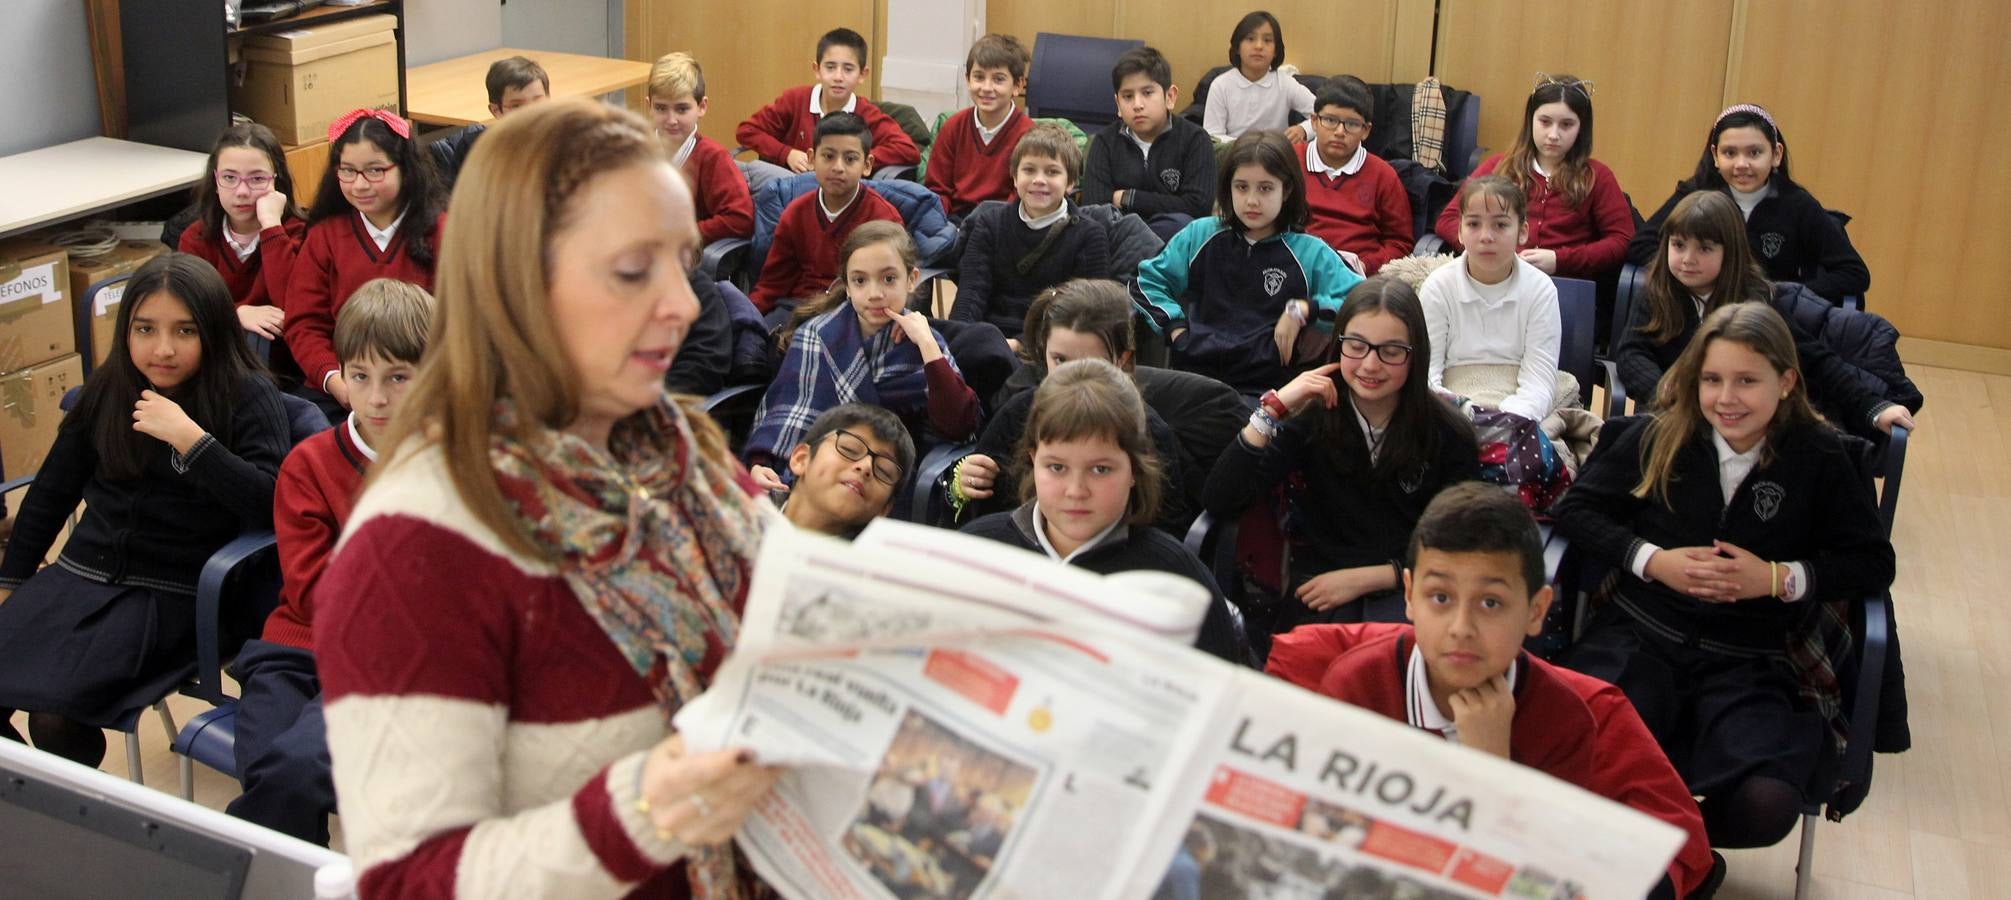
<point x="69" y="831"/>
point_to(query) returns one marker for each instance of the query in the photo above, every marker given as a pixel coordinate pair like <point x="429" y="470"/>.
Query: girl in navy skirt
<point x="173" y="448"/>
<point x="1732" y="515"/>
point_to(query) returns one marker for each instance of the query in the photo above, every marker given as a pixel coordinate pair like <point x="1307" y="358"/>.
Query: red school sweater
<point x="1367" y="213"/>
<point x="316" y="491"/>
<point x="788" y="124"/>
<point x="725" y="208"/>
<point x="964" y="170"/>
<point x="336" y="258"/>
<point x="1590" y="239"/>
<point x="1572" y="727"/>
<point x="259" y="279"/>
<point x="803" y="259"/>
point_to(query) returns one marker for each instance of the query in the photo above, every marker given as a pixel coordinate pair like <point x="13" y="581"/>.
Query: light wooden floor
<point x="1938" y="823"/>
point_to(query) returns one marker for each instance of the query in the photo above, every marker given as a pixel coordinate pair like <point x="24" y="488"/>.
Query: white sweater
<point x="1521" y="329"/>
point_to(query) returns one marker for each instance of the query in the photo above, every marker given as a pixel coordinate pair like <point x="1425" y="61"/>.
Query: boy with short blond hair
<point x="281" y="745"/>
<point x="676" y="96"/>
<point x="1473" y="591"/>
<point x="783" y="132"/>
<point x="968" y="163"/>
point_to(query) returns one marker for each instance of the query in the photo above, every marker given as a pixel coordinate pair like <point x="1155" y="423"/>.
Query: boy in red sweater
<point x="803" y="259"/>
<point x="281" y="747"/>
<point x="968" y="163"/>
<point x="1459" y="670"/>
<point x="1354" y="199"/>
<point x="718" y="190"/>
<point x="782" y="131"/>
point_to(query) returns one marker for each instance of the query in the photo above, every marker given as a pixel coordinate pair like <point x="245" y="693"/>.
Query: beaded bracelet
<point x="1264" y="423"/>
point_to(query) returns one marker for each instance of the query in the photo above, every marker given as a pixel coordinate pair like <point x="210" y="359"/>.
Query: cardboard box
<point x="85" y="273"/>
<point x="36" y="313"/>
<point x="299" y="82"/>
<point x="31" y="408"/>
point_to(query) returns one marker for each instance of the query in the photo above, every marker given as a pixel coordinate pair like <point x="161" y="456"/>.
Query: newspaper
<point x="964" y="719"/>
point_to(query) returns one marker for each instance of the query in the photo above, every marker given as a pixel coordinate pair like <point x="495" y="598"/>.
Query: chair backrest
<point x="1578" y="309"/>
<point x="1462" y="134"/>
<point x="1633" y="280"/>
<point x="1070" y="78"/>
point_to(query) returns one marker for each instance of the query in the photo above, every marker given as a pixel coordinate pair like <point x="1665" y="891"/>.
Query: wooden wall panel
<point x="751" y="49"/>
<point x="1025" y="18"/>
<point x="1893" y="113"/>
<point x="1658" y="74"/>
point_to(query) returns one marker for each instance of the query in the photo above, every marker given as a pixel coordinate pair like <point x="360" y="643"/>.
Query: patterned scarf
<point x="830" y="363"/>
<point x="1427" y="125"/>
<point x="656" y="541"/>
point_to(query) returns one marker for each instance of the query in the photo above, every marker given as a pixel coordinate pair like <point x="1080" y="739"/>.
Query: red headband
<point x="397" y="125"/>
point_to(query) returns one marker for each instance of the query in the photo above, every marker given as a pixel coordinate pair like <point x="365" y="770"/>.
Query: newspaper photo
<point x="961" y="719"/>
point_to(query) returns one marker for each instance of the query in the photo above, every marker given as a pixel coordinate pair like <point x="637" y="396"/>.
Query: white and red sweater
<point x="487" y="736"/>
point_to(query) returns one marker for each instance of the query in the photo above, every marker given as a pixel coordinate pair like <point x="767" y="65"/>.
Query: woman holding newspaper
<point x="552" y="557"/>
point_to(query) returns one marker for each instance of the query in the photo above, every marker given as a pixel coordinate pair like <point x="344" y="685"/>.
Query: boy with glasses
<point x="1354" y="199"/>
<point x="847" y="468"/>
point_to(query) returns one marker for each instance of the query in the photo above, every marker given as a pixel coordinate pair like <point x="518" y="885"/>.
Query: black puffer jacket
<point x="1864" y="339"/>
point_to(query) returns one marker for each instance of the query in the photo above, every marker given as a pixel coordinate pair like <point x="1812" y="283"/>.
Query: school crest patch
<point x="1771" y="243"/>
<point x="1767" y="497"/>
<point x="1170" y="178"/>
<point x="1274" y="281"/>
<point x="1410" y="483"/>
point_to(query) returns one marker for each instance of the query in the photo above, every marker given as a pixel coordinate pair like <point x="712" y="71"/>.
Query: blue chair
<point x="237" y="589"/>
<point x="1578" y="309"/>
<point x="733" y="407"/>
<point x="1070" y="78"/>
<point x="927" y="500"/>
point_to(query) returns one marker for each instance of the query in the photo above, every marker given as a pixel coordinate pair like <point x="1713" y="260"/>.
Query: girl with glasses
<point x="1362" y="444"/>
<point x="248" y="227"/>
<point x="1579" y="221"/>
<point x="377" y="214"/>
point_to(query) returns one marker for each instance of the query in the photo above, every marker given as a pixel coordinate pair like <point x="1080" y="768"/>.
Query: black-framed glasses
<point x="1393" y="353"/>
<point x="373" y="174"/>
<point x="257" y="181"/>
<point x="853" y="447"/>
<point x="1352" y="126"/>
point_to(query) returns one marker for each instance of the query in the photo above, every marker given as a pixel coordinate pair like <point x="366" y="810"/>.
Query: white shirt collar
<point x="1733" y="466"/>
<point x="1318" y="165"/>
<point x="1371" y="435"/>
<point x="1536" y="165"/>
<point x="356" y="436"/>
<point x="1270" y="78"/>
<point x="382" y="237"/>
<point x="833" y="214"/>
<point x="1044" y="221"/>
<point x="1421" y="710"/>
<point x="1144" y="146"/>
<point x="684" y="150"/>
<point x="985" y="135"/>
<point x="817" y="101"/>
<point x="243" y="250"/>
<point x="1047" y="546"/>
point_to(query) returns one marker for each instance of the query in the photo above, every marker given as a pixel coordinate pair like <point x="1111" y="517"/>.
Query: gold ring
<point x="704" y="808"/>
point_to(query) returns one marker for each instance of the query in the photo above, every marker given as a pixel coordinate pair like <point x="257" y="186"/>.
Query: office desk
<point x="68" y="181"/>
<point x="451" y="92"/>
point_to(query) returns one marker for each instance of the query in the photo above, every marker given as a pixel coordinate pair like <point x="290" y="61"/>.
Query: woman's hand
<point x="700" y="799"/>
<point x="158" y="417"/>
<point x="1312" y="385"/>
<point x="766" y="479"/>
<point x="1893" y="415"/>
<point x="270" y="209"/>
<point x="262" y="320"/>
<point x="1330" y="589"/>
<point x="1545" y="260"/>
<point x="915" y="327"/>
<point x="977" y="475"/>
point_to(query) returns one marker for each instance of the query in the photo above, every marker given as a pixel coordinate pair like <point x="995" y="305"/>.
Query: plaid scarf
<point x="830" y="363"/>
<point x="657" y="542"/>
<point x="1427" y="125"/>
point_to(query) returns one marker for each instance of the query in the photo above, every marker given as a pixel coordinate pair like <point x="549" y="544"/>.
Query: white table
<point x="67" y="181"/>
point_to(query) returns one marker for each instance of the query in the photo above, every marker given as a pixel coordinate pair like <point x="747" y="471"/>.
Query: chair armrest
<point x="1877" y="631"/>
<point x="210" y="585"/>
<point x="716" y="255"/>
<point x="1616" y="393"/>
<point x="1895" y="466"/>
<point x="929" y="471"/>
<point x="727" y="394"/>
<point x="1197" y="535"/>
<point x="894" y="173"/>
<point x="1429" y="245"/>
